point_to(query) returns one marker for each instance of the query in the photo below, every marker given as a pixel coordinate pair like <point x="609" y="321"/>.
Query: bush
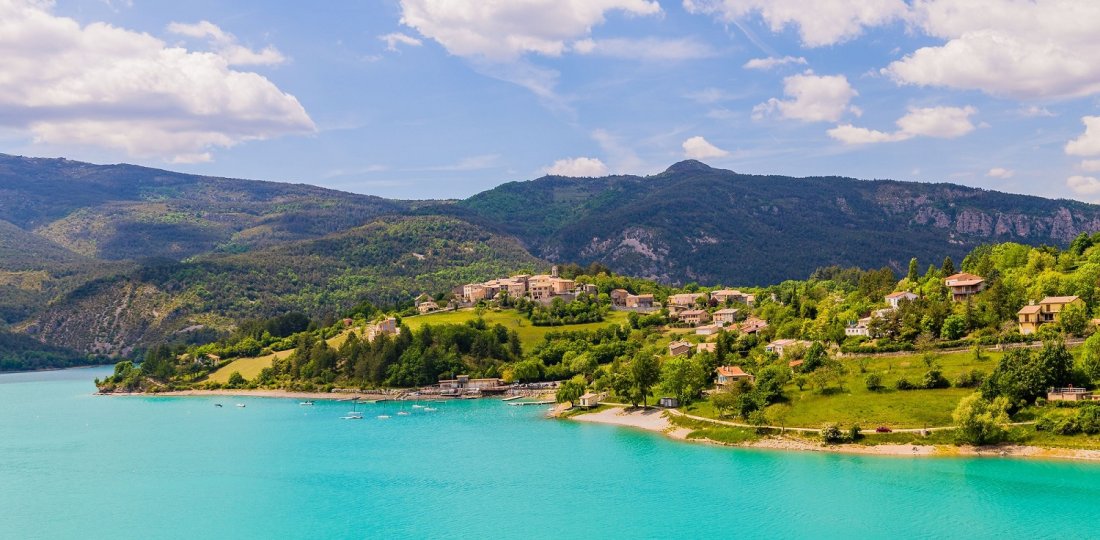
<point x="855" y="433"/>
<point x="904" y="384"/>
<point x="934" y="379"/>
<point x="236" y="380"/>
<point x="1067" y="426"/>
<point x="970" y="379"/>
<point x="831" y="434"/>
<point x="873" y="381"/>
<point x="1088" y="419"/>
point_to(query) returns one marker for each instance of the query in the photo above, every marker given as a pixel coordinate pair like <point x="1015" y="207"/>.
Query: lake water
<point x="74" y="465"/>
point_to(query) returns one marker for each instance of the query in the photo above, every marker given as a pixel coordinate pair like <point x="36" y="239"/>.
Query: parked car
<point x="883" y="429"/>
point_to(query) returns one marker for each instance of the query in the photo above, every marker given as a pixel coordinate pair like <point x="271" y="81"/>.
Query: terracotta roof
<point x="1059" y="299"/>
<point x="965" y="283"/>
<point x="900" y="294"/>
<point x="794" y="363"/>
<point x="692" y="312"/>
<point x="589" y="395"/>
<point x="732" y="371"/>
<point x="962" y="276"/>
<point x="1027" y="310"/>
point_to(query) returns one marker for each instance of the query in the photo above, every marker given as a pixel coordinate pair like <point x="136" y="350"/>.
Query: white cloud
<point x="1020" y="49"/>
<point x="226" y="45"/>
<point x="578" y="167"/>
<point x="108" y="87"/>
<point x="773" y="61"/>
<point x="815" y="98"/>
<point x="1000" y="172"/>
<point x="503" y="31"/>
<point x="699" y="148"/>
<point x="1088" y="144"/>
<point x="645" y="48"/>
<point x="1090" y="165"/>
<point x="1035" y="111"/>
<point x="821" y="22"/>
<point x="394" y="38"/>
<point x="939" y="122"/>
<point x="1083" y="185"/>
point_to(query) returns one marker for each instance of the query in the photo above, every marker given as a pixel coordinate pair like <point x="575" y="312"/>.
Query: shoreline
<point x="655" y="421"/>
<point x="278" y="394"/>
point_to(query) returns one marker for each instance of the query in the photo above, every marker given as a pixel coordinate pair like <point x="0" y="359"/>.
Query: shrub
<point x="855" y="433"/>
<point x="236" y="380"/>
<point x="831" y="434"/>
<point x="1067" y="426"/>
<point x="933" y="379"/>
<point x="1088" y="419"/>
<point x="970" y="379"/>
<point x="873" y="381"/>
<point x="904" y="384"/>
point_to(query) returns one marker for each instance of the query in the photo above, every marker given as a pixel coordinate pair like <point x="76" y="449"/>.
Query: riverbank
<point x="282" y="394"/>
<point x="655" y="420"/>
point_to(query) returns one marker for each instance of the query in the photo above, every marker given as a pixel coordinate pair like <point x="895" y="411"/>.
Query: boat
<point x="383" y="416"/>
<point x="217" y="404"/>
<point x="306" y="402"/>
<point x="418" y="406"/>
<point x="513" y="398"/>
<point x="353" y="415"/>
<point x="402" y="413"/>
<point x="430" y="409"/>
<point x="241" y="405"/>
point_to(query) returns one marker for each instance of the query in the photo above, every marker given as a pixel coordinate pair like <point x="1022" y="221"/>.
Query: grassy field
<point x="529" y="334"/>
<point x="853" y="403"/>
<point x="251" y="367"/>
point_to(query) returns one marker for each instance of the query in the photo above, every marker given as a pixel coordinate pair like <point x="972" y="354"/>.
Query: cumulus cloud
<point x="578" y="167"/>
<point x="394" y="39"/>
<point x="645" y="48"/>
<point x="773" y="61"/>
<point x="502" y="31"/>
<point x="108" y="87"/>
<point x="938" y="122"/>
<point x="1010" y="48"/>
<point x="699" y="148"/>
<point x="1088" y="144"/>
<point x="1000" y="172"/>
<point x="826" y="23"/>
<point x="1083" y="185"/>
<point x="225" y="44"/>
<point x="814" y="98"/>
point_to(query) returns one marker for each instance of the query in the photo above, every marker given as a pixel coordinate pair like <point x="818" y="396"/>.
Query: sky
<point x="447" y="98"/>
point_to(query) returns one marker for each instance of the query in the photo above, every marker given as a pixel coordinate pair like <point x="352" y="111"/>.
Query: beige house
<point x="753" y="325"/>
<point x="780" y="346"/>
<point x="694" y="316"/>
<point x="726" y="316"/>
<point x="427" y="307"/>
<point x="637" y="301"/>
<point x="894" y="299"/>
<point x="727" y="375"/>
<point x="1032" y="316"/>
<point x="685" y="299"/>
<point x="707" y="330"/>
<point x="618" y="297"/>
<point x="964" y="285"/>
<point x="588" y="400"/>
<point x="732" y="295"/>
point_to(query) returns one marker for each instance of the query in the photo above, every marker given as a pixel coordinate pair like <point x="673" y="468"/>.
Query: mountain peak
<point x="688" y="165"/>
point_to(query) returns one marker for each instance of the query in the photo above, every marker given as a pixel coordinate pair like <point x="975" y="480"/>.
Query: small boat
<point x="418" y="406"/>
<point x="430" y="409"/>
<point x="402" y="413"/>
<point x="353" y="416"/>
<point x="241" y="405"/>
<point x="383" y="416"/>
<point x="306" y="402"/>
<point x="217" y="404"/>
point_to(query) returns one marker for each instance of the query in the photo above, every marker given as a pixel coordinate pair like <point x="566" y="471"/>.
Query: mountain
<point x="385" y="261"/>
<point x="697" y="223"/>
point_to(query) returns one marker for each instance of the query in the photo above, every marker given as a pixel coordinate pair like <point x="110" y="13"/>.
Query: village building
<point x="686" y="299"/>
<point x="668" y="402"/>
<point x="724" y="296"/>
<point x="964" y="285"/>
<point x="753" y="325"/>
<point x="1049" y="310"/>
<point x="639" y="301"/>
<point x="726" y="316"/>
<point x="727" y="375"/>
<point x="588" y="400"/>
<point x="707" y="330"/>
<point x="780" y="346"/>
<point x="694" y="316"/>
<point x="618" y="297"/>
<point x="895" y="299"/>
<point x="386" y="326"/>
<point x="859" y="328"/>
<point x="678" y="348"/>
<point x="1071" y="394"/>
<point x="427" y="307"/>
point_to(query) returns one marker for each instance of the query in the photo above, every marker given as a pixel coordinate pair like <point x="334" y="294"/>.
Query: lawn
<point x="529" y="334"/>
<point x="855" y="404"/>
<point x="251" y="367"/>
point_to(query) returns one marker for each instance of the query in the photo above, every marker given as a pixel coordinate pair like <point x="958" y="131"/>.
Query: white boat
<point x="430" y="409"/>
<point x="352" y="416"/>
<point x="418" y="406"/>
<point x="403" y="413"/>
<point x="383" y="416"/>
<point x="307" y="402"/>
<point x="240" y="405"/>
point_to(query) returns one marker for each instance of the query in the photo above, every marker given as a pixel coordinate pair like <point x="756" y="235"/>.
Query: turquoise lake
<point x="74" y="465"/>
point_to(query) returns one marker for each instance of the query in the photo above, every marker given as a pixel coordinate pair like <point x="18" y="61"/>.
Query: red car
<point x="883" y="429"/>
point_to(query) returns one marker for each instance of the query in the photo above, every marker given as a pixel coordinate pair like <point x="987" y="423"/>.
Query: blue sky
<point x="446" y="98"/>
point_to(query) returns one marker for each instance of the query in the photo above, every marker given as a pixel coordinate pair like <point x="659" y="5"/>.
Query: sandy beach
<point x="655" y="420"/>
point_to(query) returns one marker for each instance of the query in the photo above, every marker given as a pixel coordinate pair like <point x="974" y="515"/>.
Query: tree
<point x="645" y="370"/>
<point x="724" y="402"/>
<point x="913" y="271"/>
<point x="953" y="327"/>
<point x="948" y="267"/>
<point x="684" y="377"/>
<point x="1074" y="319"/>
<point x="1090" y="357"/>
<point x="832" y="434"/>
<point x="816" y="357"/>
<point x="978" y="421"/>
<point x="236" y="380"/>
<point x="873" y="381"/>
<point x="572" y="390"/>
